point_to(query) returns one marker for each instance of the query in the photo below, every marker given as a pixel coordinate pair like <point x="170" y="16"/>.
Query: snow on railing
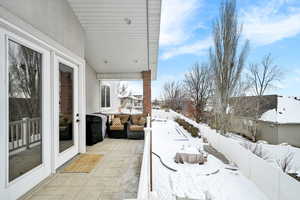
<point x="276" y="184"/>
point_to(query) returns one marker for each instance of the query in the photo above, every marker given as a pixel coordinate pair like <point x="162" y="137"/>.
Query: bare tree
<point x="262" y="76"/>
<point x="24" y="79"/>
<point x="227" y="64"/>
<point x="123" y="89"/>
<point x="198" y="86"/>
<point x="173" y="95"/>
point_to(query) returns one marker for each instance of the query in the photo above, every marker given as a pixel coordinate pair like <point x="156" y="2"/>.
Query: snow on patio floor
<point x="191" y="180"/>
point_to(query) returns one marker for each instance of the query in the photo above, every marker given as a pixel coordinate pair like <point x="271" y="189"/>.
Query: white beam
<point x="120" y="76"/>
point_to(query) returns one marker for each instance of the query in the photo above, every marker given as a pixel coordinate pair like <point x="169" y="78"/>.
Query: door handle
<point x="77" y="120"/>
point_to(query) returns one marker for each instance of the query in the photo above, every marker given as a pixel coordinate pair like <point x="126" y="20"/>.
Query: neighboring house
<point x="137" y="100"/>
<point x="109" y="96"/>
<point x="111" y="101"/>
<point x="278" y="118"/>
<point x="157" y="104"/>
<point x="131" y="103"/>
<point x="53" y="53"/>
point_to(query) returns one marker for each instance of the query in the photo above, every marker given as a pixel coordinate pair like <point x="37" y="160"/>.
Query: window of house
<point x="105" y="96"/>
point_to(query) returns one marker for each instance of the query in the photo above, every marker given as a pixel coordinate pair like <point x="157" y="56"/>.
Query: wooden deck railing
<point x="24" y="133"/>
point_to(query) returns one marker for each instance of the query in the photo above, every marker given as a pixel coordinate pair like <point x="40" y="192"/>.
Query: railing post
<point x="148" y="121"/>
<point x="26" y="132"/>
<point x="145" y="183"/>
<point x="150" y="152"/>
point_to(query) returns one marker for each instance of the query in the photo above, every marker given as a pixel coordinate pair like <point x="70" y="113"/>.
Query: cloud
<point x="296" y="75"/>
<point x="268" y="22"/>
<point x="196" y="48"/>
<point x="174" y="20"/>
<point x="297" y="79"/>
<point x="297" y="71"/>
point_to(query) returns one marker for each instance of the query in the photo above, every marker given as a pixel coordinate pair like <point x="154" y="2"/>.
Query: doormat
<point x="85" y="163"/>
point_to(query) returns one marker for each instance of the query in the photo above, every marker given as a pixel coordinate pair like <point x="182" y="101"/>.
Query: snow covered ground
<point x="188" y="179"/>
<point x="192" y="181"/>
<point x="276" y="153"/>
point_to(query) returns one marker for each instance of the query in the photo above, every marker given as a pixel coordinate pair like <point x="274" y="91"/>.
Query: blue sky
<point x="272" y="26"/>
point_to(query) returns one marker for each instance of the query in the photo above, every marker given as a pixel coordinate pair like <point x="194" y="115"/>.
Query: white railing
<point x="24" y="133"/>
<point x="145" y="182"/>
<point x="276" y="184"/>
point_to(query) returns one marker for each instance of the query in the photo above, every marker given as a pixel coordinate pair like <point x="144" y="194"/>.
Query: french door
<point x="66" y="111"/>
<point x="25" y="117"/>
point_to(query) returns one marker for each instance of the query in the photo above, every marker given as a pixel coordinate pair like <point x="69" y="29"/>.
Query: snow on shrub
<point x="194" y="131"/>
<point x="256" y="149"/>
<point x="282" y="157"/>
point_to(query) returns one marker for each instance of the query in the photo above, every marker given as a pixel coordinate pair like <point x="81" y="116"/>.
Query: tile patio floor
<point x="115" y="177"/>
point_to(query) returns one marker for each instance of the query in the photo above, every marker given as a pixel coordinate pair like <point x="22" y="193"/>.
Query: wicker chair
<point x="135" y="128"/>
<point x="116" y="129"/>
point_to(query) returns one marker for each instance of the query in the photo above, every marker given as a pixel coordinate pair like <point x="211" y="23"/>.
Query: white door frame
<point x="20" y="185"/>
<point x="61" y="158"/>
<point x="41" y="41"/>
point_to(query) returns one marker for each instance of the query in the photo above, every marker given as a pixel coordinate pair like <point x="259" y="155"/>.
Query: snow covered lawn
<point x="275" y="153"/>
<point x="192" y="181"/>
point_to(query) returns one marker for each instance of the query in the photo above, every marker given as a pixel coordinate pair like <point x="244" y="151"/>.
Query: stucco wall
<point x="268" y="132"/>
<point x="241" y="125"/>
<point x="54" y="18"/>
<point x="265" y="130"/>
<point x="92" y="91"/>
<point x="289" y="133"/>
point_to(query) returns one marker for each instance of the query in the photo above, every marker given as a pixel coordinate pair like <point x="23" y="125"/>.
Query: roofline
<point x="154" y="69"/>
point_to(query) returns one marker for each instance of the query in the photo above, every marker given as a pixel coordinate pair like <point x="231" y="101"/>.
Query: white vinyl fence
<point x="271" y="180"/>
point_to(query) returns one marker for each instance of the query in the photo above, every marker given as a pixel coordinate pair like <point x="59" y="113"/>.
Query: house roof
<point x="287" y="112"/>
<point x="272" y="108"/>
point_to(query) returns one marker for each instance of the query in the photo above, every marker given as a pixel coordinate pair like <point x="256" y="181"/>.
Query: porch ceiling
<point x="117" y="35"/>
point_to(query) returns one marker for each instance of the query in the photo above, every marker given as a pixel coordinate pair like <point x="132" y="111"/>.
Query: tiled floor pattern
<point x="115" y="177"/>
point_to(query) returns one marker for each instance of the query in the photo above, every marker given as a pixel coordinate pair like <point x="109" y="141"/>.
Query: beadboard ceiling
<point x="116" y="34"/>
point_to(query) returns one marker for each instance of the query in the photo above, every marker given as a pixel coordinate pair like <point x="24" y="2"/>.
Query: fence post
<point x="26" y="132"/>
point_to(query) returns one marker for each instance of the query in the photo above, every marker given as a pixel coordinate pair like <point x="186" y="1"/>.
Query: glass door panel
<point x="25" y="109"/>
<point x="66" y="107"/>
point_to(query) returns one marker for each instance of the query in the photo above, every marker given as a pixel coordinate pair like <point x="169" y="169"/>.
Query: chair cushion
<point x="138" y="119"/>
<point x="116" y="122"/>
<point x="117" y="128"/>
<point x="141" y="121"/>
<point x="116" y="125"/>
<point x="124" y="118"/>
<point x="136" y="128"/>
<point x="135" y="119"/>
